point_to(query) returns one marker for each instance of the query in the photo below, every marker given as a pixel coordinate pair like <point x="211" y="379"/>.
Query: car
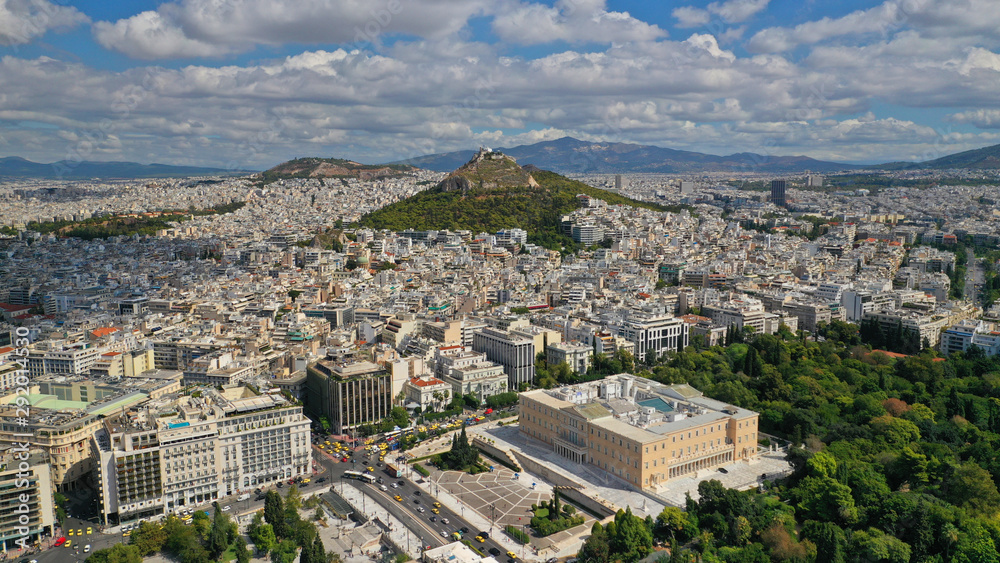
<point x="723" y="470"/>
<point x="69" y="543"/>
<point x="280" y="484"/>
<point x="401" y="483"/>
<point x="416" y="501"/>
<point x="383" y="487"/>
<point x="371" y="469"/>
<point x="437" y="504"/>
<point x="464" y="530"/>
<point x="226" y="508"/>
<point x="86" y="548"/>
<point x="420" y="509"/>
<point x="379" y="463"/>
<point x="480" y="539"/>
<point x="512" y="555"/>
<point x="59" y="542"/>
<point x="90" y="530"/>
<point x="434" y="518"/>
<point x="485" y="534"/>
<point x="435" y="511"/>
<point x="321" y="480"/>
<point x="444" y="521"/>
<point x="494" y="551"/>
<point x="70" y="532"/>
<point x="444" y="534"/>
<point x="395" y="486"/>
<point x="306" y="481"/>
<point x="398" y="498"/>
<point x="418" y="493"/>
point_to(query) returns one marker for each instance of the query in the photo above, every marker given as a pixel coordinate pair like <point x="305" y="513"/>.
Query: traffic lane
<point x="409" y="519"/>
<point x="408" y="491"/>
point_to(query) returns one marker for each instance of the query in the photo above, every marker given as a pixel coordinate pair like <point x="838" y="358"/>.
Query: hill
<point x="314" y="167"/>
<point x="17" y="167"/>
<point x="984" y="158"/>
<point x="493" y="193"/>
<point x="570" y="156"/>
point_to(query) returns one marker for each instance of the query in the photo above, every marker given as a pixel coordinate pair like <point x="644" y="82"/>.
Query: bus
<point x="359" y="476"/>
<point x="395" y="433"/>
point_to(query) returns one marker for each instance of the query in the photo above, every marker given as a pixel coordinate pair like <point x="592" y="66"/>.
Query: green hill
<point x="535" y="203"/>
<point x="986" y="158"/>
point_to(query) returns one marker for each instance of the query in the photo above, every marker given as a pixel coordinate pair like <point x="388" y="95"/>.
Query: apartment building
<point x="196" y="450"/>
<point x="74" y="359"/>
<point x="28" y="512"/>
<point x="968" y="333"/>
<point x="642" y="432"/>
<point x="64" y="436"/>
<point x="515" y="353"/>
<point x="575" y="354"/>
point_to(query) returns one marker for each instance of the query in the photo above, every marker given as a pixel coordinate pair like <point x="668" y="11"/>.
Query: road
<point x="433" y="530"/>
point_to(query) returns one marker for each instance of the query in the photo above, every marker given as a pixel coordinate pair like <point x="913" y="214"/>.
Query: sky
<point x="247" y="84"/>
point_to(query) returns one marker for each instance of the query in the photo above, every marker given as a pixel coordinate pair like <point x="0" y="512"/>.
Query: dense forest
<point x="536" y="210"/>
<point x="895" y="459"/>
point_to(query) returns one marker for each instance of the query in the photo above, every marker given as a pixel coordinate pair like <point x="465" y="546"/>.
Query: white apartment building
<point x="195" y="451"/>
<point x="75" y="360"/>
<point x="968" y="333"/>
<point x="575" y="354"/>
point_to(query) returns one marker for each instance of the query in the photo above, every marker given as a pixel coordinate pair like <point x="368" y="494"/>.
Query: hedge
<point x="421" y="470"/>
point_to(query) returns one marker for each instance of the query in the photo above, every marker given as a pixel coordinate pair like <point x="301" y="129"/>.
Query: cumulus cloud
<point x="967" y="20"/>
<point x="981" y="118"/>
<point x="733" y="11"/>
<point x="574" y="21"/>
<point x="195" y="28"/>
<point x="23" y="20"/>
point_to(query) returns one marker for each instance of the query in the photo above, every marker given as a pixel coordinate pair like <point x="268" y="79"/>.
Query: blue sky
<point x="249" y="83"/>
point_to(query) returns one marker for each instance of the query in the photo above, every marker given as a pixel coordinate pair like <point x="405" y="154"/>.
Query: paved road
<point x="432" y="528"/>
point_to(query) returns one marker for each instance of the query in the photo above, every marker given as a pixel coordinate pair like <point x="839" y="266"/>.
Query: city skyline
<point x="249" y="84"/>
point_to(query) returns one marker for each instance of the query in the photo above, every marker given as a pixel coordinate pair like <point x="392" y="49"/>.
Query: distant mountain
<point x="17" y="167"/>
<point x="984" y="158"/>
<point x="314" y="167"/>
<point x="572" y="156"/>
<point x="492" y="192"/>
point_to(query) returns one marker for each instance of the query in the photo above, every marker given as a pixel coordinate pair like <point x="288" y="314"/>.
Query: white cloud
<point x="709" y="44"/>
<point x="23" y="20"/>
<point x="195" y="28"/>
<point x="574" y="21"/>
<point x="150" y="35"/>
<point x="733" y="11"/>
<point x="981" y="118"/>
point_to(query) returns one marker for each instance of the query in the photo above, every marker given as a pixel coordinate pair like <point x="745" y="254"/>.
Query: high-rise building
<point x="349" y="394"/>
<point x="618" y="181"/>
<point x="778" y="193"/>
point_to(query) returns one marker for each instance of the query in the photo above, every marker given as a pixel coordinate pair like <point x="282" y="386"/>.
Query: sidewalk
<point x="398" y="532"/>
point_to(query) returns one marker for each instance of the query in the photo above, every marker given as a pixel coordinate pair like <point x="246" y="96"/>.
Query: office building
<point x="778" y="193"/>
<point x="653" y="335"/>
<point x="642" y="432"/>
<point x="348" y="394"/>
<point x="575" y="354"/>
<point x="515" y="353"/>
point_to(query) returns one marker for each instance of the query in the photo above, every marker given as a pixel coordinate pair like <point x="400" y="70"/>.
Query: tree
<point x="672" y="524"/>
<point x="218" y="538"/>
<point x="241" y="551"/>
<point x="293" y="500"/>
<point x="972" y="488"/>
<point x="274" y="513"/>
<point x="118" y="553"/>
<point x="629" y="539"/>
<point x="596" y="548"/>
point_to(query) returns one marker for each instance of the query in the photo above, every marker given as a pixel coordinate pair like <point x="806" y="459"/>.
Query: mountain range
<point x="573" y="156"/>
<point x="17" y="167"/>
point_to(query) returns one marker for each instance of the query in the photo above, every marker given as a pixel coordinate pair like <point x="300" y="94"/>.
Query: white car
<point x="226" y="508"/>
<point x="86" y="548"/>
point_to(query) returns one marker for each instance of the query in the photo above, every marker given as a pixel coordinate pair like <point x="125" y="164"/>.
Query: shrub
<point x="518" y="535"/>
<point x="421" y="469"/>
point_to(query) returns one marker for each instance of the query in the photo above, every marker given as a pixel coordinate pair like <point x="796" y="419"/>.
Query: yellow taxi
<point x="371" y="469"/>
<point x="306" y="480"/>
<point x="435" y="511"/>
<point x="480" y="539"/>
<point x="326" y="443"/>
<point x="90" y="530"/>
<point x="68" y="542"/>
<point x="70" y="533"/>
<point x="512" y="555"/>
<point x="398" y="498"/>
<point x="437" y="504"/>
